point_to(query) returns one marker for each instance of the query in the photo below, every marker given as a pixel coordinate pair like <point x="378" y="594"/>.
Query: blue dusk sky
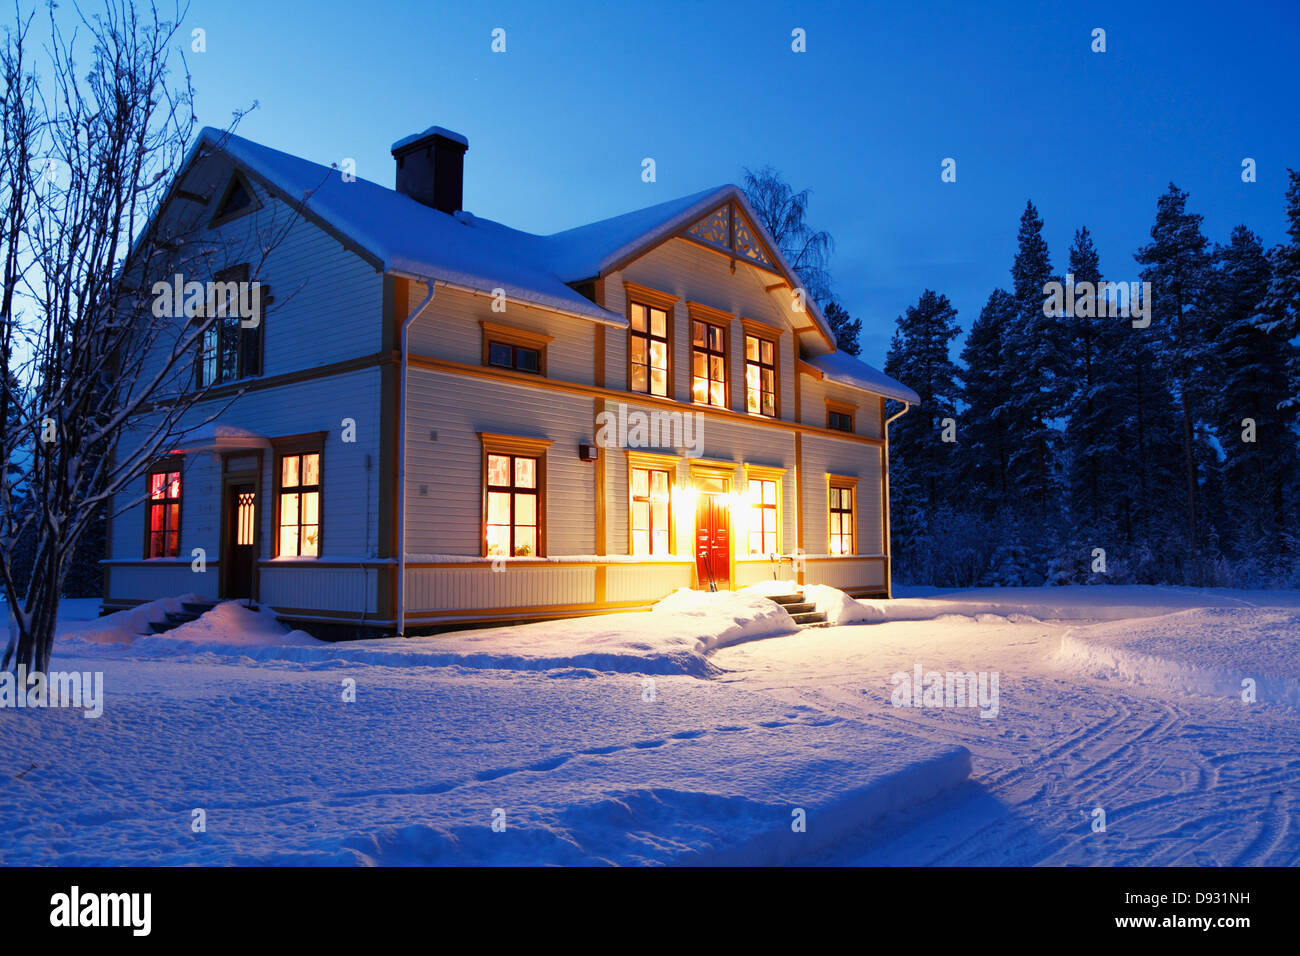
<point x="558" y="124"/>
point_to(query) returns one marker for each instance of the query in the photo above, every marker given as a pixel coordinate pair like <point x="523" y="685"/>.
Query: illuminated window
<point x="649" y="350"/>
<point x="709" y="363"/>
<point x="246" y="509"/>
<point x="763" y="516"/>
<point x="841" y="515"/>
<point x="651" y="489"/>
<point x="298" y="505"/>
<point x="512" y="506"/>
<point x="760" y="376"/>
<point x="164" y="535"/>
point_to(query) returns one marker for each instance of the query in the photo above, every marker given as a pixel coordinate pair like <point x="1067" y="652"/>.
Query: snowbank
<point x="229" y="629"/>
<point x="1209" y="652"/>
<point x="720" y="618"/>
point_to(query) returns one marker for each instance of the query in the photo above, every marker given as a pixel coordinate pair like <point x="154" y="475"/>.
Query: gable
<point x="728" y="229"/>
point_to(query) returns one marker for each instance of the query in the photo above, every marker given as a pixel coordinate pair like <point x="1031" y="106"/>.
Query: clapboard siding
<point x="812" y="401"/>
<point x="449" y="328"/>
<point x="145" y="582"/>
<point x="349" y="507"/>
<point x="327" y="299"/>
<point x="301" y="585"/>
<point x="631" y="582"/>
<point x="444" y="493"/>
<point x="847" y="574"/>
<point x="482" y="588"/>
<point x="823" y="456"/>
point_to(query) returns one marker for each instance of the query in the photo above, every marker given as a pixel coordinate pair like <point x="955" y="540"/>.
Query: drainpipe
<point x="889" y="551"/>
<point x="401" y="453"/>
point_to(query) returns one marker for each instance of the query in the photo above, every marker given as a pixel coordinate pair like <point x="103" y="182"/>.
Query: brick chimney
<point x="431" y="168"/>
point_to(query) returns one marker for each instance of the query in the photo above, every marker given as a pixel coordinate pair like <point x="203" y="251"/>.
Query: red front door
<point x="712" y="541"/>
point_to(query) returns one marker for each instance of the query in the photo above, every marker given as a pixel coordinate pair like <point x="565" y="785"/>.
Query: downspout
<point x="889" y="550"/>
<point x="401" y="453"/>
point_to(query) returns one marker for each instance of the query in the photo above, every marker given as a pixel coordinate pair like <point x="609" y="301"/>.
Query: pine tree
<point x="918" y="355"/>
<point x="1246" y="374"/>
<point x="921" y="462"/>
<point x="1093" y="406"/>
<point x="984" y="448"/>
<point x="1033" y="361"/>
<point x="1279" y="312"/>
<point x="846" y="329"/>
<point x="1176" y="262"/>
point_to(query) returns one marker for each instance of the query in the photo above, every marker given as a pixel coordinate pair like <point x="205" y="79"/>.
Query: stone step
<point x="198" y="607"/>
<point x="803" y="607"/>
<point x="178" y="618"/>
<point x="161" y="627"/>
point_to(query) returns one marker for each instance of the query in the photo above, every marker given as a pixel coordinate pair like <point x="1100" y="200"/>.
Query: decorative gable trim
<point x="728" y="229"/>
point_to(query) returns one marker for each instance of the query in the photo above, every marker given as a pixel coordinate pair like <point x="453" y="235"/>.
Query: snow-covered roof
<point x="844" y="368"/>
<point x="408" y="237"/>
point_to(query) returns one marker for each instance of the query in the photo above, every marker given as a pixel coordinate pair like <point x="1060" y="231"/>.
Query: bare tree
<point x="100" y="383"/>
<point x="784" y="213"/>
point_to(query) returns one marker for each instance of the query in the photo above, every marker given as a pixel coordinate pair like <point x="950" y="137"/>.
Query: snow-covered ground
<point x="707" y="731"/>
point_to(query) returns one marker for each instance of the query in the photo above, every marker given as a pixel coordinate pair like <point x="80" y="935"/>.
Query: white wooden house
<point x="442" y="420"/>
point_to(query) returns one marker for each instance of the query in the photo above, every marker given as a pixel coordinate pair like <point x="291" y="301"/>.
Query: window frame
<point x="771" y="335"/>
<point x="237" y="179"/>
<point x="846" y="409"/>
<point x="494" y="333"/>
<point x="842" y="483"/>
<point x="514" y="446"/>
<point x="221" y="327"/>
<point x="722" y="320"/>
<point x="163" y="467"/>
<point x="777" y="477"/>
<point x="649" y="461"/>
<point x="309" y="444"/>
<point x="648" y="299"/>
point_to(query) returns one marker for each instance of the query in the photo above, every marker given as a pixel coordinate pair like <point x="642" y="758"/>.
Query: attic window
<point x="235" y="201"/>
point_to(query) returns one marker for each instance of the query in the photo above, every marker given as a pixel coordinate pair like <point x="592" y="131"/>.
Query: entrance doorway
<point x="239" y="546"/>
<point x="713" y="541"/>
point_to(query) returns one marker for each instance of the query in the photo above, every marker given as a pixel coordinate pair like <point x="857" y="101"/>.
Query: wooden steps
<point x="804" y="612"/>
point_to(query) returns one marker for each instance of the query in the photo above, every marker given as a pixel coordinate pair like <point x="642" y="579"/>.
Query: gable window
<point x="229" y="349"/>
<point x="841" y="493"/>
<point x="163" y="537"/>
<point x="760" y="371"/>
<point x="237" y="199"/>
<point x="518" y="350"/>
<point x="298" y="500"/>
<point x="514" y="487"/>
<point x="839" y="416"/>
<point x="709" y="363"/>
